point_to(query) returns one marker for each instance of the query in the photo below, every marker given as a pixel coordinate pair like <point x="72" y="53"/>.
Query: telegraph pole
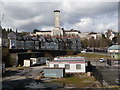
<point x="1" y="19"/>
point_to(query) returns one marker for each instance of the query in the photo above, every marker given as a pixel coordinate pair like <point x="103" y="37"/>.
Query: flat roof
<point x="114" y="47"/>
<point x="68" y="61"/>
<point x="70" y="58"/>
<point x="54" y="68"/>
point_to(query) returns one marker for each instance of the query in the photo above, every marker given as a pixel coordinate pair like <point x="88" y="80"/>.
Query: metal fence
<point x="101" y="73"/>
<point x="97" y="74"/>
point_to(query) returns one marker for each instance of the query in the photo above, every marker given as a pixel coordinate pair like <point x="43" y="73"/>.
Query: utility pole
<point x="0" y="44"/>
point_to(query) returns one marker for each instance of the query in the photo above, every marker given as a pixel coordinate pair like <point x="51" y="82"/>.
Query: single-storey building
<point x="114" y="51"/>
<point x="34" y="61"/>
<point x="71" y="64"/>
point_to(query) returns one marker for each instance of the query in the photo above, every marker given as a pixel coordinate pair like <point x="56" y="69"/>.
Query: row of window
<point x="67" y="66"/>
<point x="31" y="45"/>
<point x="114" y="53"/>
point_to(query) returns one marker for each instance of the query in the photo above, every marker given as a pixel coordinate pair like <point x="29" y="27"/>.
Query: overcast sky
<point x="82" y="16"/>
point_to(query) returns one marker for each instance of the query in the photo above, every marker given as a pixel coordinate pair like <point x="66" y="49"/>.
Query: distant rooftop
<point x="92" y="33"/>
<point x="69" y="59"/>
<point x="72" y="31"/>
<point x="53" y="68"/>
<point x="114" y="47"/>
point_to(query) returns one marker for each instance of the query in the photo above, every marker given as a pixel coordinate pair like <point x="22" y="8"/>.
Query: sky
<point x="82" y="16"/>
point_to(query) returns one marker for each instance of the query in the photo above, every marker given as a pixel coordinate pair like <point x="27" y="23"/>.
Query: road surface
<point x="110" y="73"/>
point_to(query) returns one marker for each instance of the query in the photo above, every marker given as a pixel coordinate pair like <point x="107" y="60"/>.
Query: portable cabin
<point x="27" y="63"/>
<point x="71" y="64"/>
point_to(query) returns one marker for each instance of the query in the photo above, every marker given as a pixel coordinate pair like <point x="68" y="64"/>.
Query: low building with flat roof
<point x="71" y="64"/>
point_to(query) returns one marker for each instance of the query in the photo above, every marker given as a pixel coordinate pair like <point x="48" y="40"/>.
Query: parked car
<point x="101" y="60"/>
<point x="83" y="51"/>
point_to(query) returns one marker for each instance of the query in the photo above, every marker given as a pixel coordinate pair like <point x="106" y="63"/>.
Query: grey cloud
<point x="71" y="13"/>
<point x="89" y="10"/>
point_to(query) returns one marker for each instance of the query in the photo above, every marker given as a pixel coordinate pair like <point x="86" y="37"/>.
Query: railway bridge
<point x="20" y="54"/>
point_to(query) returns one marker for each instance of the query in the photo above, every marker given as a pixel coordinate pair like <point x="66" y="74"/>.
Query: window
<point x="67" y="66"/>
<point x="113" y="56"/>
<point x="78" y="66"/>
<point x="56" y="65"/>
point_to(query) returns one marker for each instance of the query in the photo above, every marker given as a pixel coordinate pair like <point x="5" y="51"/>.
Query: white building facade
<point x="114" y="49"/>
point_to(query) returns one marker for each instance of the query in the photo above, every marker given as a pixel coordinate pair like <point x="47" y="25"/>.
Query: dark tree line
<point x="8" y="30"/>
<point x="9" y="61"/>
<point x="96" y="43"/>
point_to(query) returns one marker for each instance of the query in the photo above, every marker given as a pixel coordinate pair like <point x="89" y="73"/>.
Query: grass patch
<point x="94" y="55"/>
<point x="91" y="55"/>
<point x="80" y="81"/>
